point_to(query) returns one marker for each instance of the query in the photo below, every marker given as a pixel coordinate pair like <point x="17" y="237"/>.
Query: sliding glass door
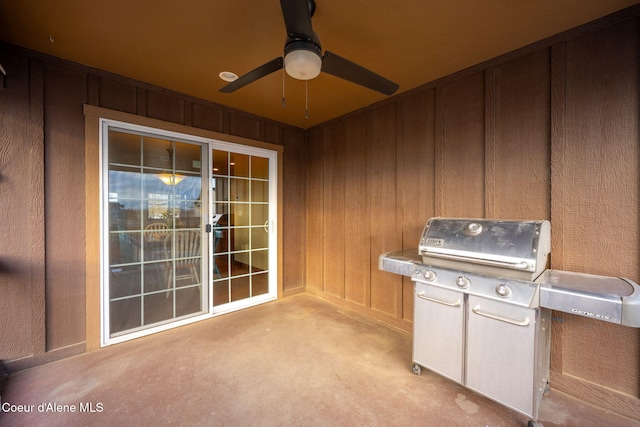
<point x="187" y="230"/>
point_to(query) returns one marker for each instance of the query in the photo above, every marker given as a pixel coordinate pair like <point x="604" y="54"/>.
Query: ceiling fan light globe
<point x="302" y="64"/>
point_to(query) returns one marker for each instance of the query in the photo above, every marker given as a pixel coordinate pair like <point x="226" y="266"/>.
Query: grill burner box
<point x="516" y="249"/>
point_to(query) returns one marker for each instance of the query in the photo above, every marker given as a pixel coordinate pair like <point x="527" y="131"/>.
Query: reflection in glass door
<point x="243" y="205"/>
<point x="155" y="251"/>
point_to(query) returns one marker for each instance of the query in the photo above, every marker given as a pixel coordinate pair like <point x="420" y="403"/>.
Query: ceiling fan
<point x="303" y="59"/>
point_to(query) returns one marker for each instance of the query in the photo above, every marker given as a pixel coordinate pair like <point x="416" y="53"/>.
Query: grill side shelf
<point x="610" y="299"/>
<point x="631" y="306"/>
<point x="399" y="262"/>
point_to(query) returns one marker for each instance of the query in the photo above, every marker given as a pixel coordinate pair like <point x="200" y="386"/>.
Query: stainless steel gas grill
<point x="483" y="300"/>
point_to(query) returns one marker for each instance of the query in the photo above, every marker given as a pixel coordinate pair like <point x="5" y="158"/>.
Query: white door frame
<point x="209" y="144"/>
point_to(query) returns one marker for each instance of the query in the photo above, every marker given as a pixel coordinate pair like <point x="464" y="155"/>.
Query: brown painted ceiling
<point x="183" y="45"/>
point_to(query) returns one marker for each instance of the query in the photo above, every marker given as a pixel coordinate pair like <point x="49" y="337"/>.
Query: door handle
<point x="479" y="312"/>
<point x="421" y="295"/>
<point x="266" y="226"/>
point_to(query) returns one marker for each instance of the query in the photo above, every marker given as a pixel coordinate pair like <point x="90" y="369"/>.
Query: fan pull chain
<point x="306" y="99"/>
<point x="284" y="103"/>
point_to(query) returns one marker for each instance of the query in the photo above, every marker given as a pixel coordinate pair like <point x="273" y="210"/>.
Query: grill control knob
<point x="429" y="275"/>
<point x="462" y="282"/>
<point x="474" y="229"/>
<point x="503" y="290"/>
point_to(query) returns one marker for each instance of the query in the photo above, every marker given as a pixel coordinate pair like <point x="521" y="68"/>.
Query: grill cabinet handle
<point x="520" y="265"/>
<point x="479" y="312"/>
<point x="421" y="295"/>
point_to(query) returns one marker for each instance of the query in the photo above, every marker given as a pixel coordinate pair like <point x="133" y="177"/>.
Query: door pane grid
<point x="154" y="196"/>
<point x="241" y="202"/>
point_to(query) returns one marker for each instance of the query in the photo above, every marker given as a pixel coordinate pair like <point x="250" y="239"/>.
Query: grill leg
<point x="416" y="369"/>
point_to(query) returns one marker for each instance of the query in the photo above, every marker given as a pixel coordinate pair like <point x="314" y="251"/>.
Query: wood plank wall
<point x="42" y="262"/>
<point x="549" y="132"/>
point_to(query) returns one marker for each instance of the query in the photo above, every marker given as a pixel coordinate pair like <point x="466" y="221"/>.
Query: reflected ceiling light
<point x="171" y="179"/>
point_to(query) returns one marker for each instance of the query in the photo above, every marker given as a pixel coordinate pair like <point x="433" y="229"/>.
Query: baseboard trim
<point x="40" y="359"/>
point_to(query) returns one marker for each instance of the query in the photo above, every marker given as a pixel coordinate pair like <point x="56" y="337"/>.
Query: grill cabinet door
<point x="501" y="353"/>
<point x="438" y="330"/>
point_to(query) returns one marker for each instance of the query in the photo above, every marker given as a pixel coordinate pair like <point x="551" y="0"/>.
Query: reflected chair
<point x="154" y="237"/>
<point x="124" y="250"/>
<point x="184" y="259"/>
<point x="217" y="236"/>
<point x="156" y="231"/>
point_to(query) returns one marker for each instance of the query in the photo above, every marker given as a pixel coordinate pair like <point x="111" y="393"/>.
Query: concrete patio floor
<point x="299" y="361"/>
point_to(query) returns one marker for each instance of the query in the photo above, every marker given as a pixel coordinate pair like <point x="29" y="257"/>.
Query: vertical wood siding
<point x="22" y="276"/>
<point x="356" y="261"/>
<point x="65" y="92"/>
<point x="596" y="189"/>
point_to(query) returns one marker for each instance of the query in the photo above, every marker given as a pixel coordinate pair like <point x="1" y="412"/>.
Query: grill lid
<point x="516" y="249"/>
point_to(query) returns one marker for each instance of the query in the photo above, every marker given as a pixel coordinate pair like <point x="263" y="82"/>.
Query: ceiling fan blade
<point x="345" y="69"/>
<point x="297" y="19"/>
<point x="252" y="76"/>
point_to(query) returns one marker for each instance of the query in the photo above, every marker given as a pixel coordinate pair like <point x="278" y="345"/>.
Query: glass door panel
<point x="242" y="206"/>
<point x="156" y="252"/>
